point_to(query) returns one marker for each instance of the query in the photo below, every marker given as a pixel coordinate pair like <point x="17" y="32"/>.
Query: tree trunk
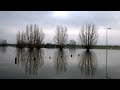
<point x="60" y="47"/>
<point x="88" y="49"/>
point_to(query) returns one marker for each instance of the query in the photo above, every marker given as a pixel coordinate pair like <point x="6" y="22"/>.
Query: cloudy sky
<point x="13" y="21"/>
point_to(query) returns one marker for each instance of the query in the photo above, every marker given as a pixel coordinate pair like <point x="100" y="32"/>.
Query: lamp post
<point x="107" y="50"/>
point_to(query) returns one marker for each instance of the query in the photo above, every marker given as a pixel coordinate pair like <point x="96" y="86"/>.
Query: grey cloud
<point x="44" y="18"/>
<point x="17" y="20"/>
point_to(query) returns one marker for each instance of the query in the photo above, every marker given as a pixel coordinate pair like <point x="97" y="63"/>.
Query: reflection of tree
<point x="31" y="60"/>
<point x="88" y="63"/>
<point x="72" y="51"/>
<point x="21" y="55"/>
<point x="3" y="49"/>
<point x="60" y="61"/>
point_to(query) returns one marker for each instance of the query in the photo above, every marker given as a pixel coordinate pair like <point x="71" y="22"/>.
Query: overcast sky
<point x="13" y="21"/>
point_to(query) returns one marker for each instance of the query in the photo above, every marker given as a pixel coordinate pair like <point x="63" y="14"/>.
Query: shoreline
<point x="70" y="46"/>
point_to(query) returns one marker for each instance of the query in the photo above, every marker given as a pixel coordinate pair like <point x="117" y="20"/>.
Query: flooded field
<point x="55" y="64"/>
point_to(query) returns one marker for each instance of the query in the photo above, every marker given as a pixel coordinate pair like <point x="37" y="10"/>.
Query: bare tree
<point x="21" y="39"/>
<point x="88" y="36"/>
<point x="31" y="37"/>
<point x="18" y="39"/>
<point x="61" y="36"/>
<point x="34" y="37"/>
<point x="38" y="36"/>
<point x="27" y="35"/>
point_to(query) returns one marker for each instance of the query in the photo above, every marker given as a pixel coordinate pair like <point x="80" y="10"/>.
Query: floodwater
<point x="55" y="64"/>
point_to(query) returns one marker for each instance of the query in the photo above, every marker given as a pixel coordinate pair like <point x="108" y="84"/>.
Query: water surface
<point x="56" y="64"/>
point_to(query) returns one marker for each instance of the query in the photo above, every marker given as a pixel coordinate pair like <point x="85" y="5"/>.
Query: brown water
<point x="55" y="64"/>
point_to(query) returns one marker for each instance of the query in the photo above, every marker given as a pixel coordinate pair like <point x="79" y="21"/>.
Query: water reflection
<point x="88" y="63"/>
<point x="3" y="49"/>
<point x="60" y="61"/>
<point x="31" y="60"/>
<point x="72" y="51"/>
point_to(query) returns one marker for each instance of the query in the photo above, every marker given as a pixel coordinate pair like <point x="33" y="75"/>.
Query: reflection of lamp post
<point x="107" y="49"/>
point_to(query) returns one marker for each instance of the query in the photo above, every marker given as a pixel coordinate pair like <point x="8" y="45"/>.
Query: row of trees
<point x="33" y="37"/>
<point x="3" y="42"/>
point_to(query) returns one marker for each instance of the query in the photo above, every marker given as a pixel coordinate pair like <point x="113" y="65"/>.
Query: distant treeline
<point x="71" y="46"/>
<point x="3" y="42"/>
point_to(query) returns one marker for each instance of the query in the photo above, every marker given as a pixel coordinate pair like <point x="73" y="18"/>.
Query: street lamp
<point x="107" y="49"/>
